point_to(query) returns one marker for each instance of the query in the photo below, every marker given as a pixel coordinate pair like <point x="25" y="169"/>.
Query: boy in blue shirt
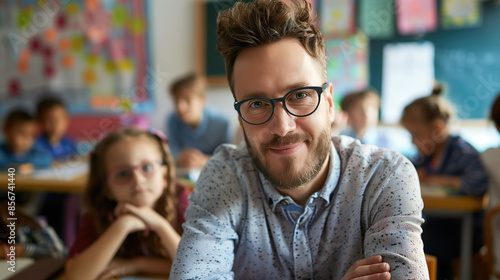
<point x="53" y="119"/>
<point x="194" y="131"/>
<point x="19" y="129"/>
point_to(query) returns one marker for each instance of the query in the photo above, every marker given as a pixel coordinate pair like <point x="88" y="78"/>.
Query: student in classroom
<point x="491" y="159"/>
<point x="53" y="119"/>
<point x="362" y="108"/>
<point x="18" y="150"/>
<point x="194" y="130"/>
<point x="444" y="160"/>
<point x="135" y="209"/>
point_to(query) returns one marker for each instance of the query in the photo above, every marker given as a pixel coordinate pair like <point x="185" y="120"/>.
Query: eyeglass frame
<point x="133" y="168"/>
<point x="319" y="91"/>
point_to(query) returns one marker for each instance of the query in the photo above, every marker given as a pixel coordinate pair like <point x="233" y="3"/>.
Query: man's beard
<point x="287" y="178"/>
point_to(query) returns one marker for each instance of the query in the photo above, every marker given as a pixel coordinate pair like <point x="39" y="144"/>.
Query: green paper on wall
<point x="119" y="16"/>
<point x="376" y="18"/>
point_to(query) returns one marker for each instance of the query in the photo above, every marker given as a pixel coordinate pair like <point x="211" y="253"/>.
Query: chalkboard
<point x="467" y="61"/>
<point x="209" y="61"/>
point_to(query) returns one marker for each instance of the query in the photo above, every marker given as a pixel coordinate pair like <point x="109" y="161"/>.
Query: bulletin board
<point x="94" y="54"/>
<point x="467" y="62"/>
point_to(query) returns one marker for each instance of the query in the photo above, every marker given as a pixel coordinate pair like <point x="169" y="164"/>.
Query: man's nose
<point x="282" y="122"/>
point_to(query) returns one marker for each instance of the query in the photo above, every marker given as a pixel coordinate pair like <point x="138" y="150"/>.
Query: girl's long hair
<point x="101" y="207"/>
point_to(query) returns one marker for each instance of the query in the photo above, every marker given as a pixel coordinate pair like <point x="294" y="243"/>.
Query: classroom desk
<point x="462" y="207"/>
<point x="29" y="183"/>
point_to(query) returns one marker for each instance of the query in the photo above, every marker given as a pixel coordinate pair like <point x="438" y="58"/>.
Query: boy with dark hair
<point x="19" y="129"/>
<point x="53" y="119"/>
<point x="194" y="130"/>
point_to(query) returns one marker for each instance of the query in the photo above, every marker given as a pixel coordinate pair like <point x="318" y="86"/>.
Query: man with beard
<point x="291" y="202"/>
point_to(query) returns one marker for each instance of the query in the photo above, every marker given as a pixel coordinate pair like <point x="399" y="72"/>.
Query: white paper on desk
<point x="433" y="190"/>
<point x="21" y="263"/>
<point x="65" y="171"/>
<point x="407" y="74"/>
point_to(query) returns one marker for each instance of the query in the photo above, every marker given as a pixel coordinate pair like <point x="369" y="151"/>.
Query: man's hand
<point x="369" y="269"/>
<point x="192" y="158"/>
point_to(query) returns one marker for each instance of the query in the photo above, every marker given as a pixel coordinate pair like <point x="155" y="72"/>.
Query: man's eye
<point x="256" y="104"/>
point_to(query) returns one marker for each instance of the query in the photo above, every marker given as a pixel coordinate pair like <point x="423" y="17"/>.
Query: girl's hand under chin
<point x="152" y="220"/>
<point x="131" y="222"/>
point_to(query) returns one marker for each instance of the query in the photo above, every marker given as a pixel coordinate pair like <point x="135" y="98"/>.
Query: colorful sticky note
<point x="461" y="13"/>
<point x="64" y="44"/>
<point x="119" y="16"/>
<point x="61" y="21"/>
<point x="67" y="61"/>
<point x="77" y="43"/>
<point x="23" y="18"/>
<point x="72" y="8"/>
<point x="92" y="60"/>
<point x="49" y="70"/>
<point x="137" y="25"/>
<point x="337" y="18"/>
<point x="125" y="64"/>
<point x="50" y="35"/>
<point x="13" y="87"/>
<point x="376" y="18"/>
<point x="89" y="76"/>
<point x="35" y="44"/>
<point x="416" y="16"/>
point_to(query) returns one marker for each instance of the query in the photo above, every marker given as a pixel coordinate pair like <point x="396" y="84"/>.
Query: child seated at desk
<point x="53" y="119"/>
<point x="136" y="209"/>
<point x="194" y="130"/>
<point x="18" y="150"/>
<point x="491" y="159"/>
<point x="444" y="160"/>
<point x="362" y="116"/>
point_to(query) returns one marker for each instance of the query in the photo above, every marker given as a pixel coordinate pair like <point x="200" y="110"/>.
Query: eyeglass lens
<point x="300" y="102"/>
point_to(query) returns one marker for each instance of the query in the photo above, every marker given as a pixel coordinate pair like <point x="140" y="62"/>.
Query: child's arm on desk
<point x="146" y="265"/>
<point x="95" y="259"/>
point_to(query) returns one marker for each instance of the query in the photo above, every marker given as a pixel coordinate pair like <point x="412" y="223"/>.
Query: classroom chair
<point x="491" y="234"/>
<point x="432" y="266"/>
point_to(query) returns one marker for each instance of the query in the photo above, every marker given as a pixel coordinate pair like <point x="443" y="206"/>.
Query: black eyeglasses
<point x="300" y="102"/>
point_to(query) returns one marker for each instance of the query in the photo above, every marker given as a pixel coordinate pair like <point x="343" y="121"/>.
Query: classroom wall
<point x="172" y="40"/>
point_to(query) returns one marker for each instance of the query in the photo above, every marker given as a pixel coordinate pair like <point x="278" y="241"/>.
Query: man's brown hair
<point x="261" y="22"/>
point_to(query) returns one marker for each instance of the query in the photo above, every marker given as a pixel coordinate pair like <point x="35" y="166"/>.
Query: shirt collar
<point x="274" y="197"/>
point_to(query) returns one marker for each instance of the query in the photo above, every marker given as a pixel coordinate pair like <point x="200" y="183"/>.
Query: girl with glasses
<point x="135" y="209"/>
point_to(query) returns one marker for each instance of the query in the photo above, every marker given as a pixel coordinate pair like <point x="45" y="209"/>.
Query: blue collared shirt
<point x="239" y="226"/>
<point x="212" y="131"/>
<point x="63" y="150"/>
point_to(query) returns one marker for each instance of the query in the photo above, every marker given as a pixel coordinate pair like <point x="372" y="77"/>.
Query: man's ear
<point x="331" y="104"/>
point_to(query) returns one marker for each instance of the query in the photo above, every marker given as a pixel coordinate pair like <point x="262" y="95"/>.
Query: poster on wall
<point x="337" y="18"/>
<point x="416" y="16"/>
<point x="376" y="18"/>
<point x="347" y="65"/>
<point x="407" y="74"/>
<point x="94" y="54"/>
<point x="461" y="13"/>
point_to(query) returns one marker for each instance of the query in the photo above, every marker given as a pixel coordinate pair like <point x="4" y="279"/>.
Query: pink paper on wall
<point x="416" y="16"/>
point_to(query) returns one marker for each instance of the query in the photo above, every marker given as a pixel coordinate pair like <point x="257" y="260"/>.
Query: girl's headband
<point x="153" y="131"/>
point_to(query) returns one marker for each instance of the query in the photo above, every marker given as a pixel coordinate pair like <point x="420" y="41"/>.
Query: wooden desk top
<point x="27" y="183"/>
<point x="455" y="203"/>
